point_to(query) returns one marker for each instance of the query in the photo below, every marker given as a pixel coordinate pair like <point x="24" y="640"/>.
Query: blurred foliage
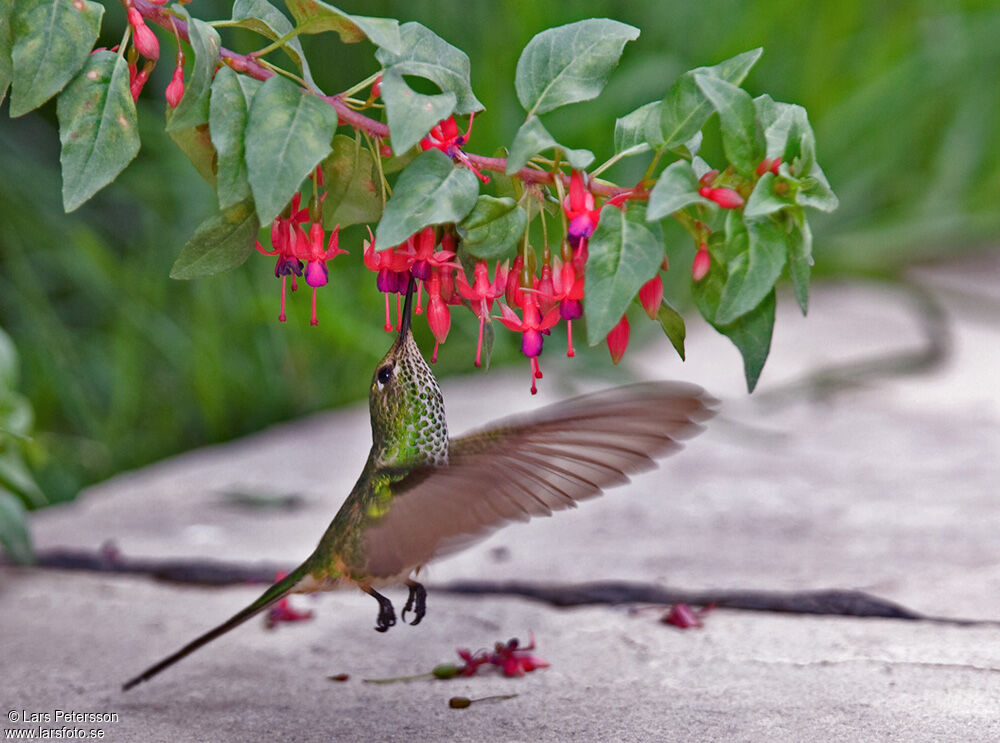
<point x="124" y="366"/>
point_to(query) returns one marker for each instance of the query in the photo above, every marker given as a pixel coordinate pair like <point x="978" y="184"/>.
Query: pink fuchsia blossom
<point x="531" y="327"/>
<point x="579" y="209"/>
<point x="481" y="295"/>
<point x="145" y="40"/>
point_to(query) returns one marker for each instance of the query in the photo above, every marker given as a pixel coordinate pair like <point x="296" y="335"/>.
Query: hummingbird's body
<point x="422" y="495"/>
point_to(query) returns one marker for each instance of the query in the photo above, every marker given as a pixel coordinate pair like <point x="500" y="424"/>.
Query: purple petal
<point x="317" y="274"/>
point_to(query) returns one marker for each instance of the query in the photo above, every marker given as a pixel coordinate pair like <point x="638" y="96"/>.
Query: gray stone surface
<point x="890" y="488"/>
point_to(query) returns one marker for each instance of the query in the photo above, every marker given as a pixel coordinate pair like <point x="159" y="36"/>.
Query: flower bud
<point x="175" y="89"/>
<point x="651" y="295"/>
<point x="144" y="38"/>
<point x="618" y="340"/>
<point x="702" y="262"/>
<point x="727" y="198"/>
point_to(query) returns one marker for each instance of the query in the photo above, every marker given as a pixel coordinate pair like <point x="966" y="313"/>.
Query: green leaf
<point x="228" y="113"/>
<point x="411" y="115"/>
<point x="425" y="54"/>
<point x="800" y="260"/>
<point x="288" y="134"/>
<point x="630" y="130"/>
<point x="16" y="477"/>
<point x="533" y="138"/>
<point x="493" y="227"/>
<point x="14" y="535"/>
<point x="763" y="200"/>
<point x="624" y="253"/>
<point x="685" y="108"/>
<point x="742" y="139"/>
<point x="9" y="365"/>
<point x="263" y="18"/>
<point x="52" y="40"/>
<point x="196" y="143"/>
<point x="753" y="274"/>
<point x="676" y="188"/>
<point x="193" y="109"/>
<point x="353" y="195"/>
<point x="16" y="416"/>
<point x="430" y="191"/>
<point x="673" y="325"/>
<point x="569" y="63"/>
<point x="315" y="16"/>
<point x="6" y="43"/>
<point x="815" y="191"/>
<point x="751" y="333"/>
<point x="221" y="243"/>
<point x="98" y="128"/>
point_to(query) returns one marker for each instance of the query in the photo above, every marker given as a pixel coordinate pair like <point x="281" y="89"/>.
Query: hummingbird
<point x="423" y="495"/>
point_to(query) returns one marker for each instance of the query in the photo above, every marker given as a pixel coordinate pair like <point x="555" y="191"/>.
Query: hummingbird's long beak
<point x="404" y="323"/>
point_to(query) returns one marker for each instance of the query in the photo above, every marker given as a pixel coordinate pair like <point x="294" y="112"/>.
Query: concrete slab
<point x="888" y="488"/>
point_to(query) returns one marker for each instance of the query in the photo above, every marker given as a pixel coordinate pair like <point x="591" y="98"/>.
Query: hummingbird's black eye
<point x="385" y="374"/>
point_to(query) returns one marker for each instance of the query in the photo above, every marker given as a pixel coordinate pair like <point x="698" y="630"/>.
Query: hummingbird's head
<point x="407" y="410"/>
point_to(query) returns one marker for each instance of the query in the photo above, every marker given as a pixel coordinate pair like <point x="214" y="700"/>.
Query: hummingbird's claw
<point x="386" y="614"/>
<point x="416" y="601"/>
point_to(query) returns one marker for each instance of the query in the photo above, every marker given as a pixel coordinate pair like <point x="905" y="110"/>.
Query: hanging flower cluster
<point x="296" y="247"/>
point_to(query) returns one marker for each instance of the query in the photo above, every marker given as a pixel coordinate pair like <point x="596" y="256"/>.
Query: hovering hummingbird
<point x="422" y="495"/>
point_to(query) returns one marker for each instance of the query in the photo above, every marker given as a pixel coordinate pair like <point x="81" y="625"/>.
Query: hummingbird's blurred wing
<point x="531" y="465"/>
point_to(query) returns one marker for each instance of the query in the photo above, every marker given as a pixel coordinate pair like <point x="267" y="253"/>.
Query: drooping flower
<point x="618" y="340"/>
<point x="531" y="327"/>
<point x="438" y="314"/>
<point x="579" y="208"/>
<point x="392" y="269"/>
<point x="701" y="263"/>
<point x="567" y="291"/>
<point x="481" y="295"/>
<point x="144" y="39"/>
<point x="651" y="296"/>
<point x="283" y="244"/>
<point x="311" y="250"/>
<point x="175" y="88"/>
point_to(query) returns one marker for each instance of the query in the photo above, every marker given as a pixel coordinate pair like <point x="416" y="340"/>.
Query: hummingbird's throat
<point x="408" y="418"/>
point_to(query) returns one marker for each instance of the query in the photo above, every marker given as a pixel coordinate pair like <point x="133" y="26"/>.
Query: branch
<point x="206" y="572"/>
<point x="248" y="65"/>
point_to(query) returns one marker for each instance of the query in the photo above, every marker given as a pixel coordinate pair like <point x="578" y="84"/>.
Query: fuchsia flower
<point x="444" y="136"/>
<point x="701" y="263"/>
<point x="421" y="253"/>
<point x="175" y="89"/>
<point x="651" y="296"/>
<point x="727" y="198"/>
<point x="767" y="164"/>
<point x="481" y="295"/>
<point x="144" y="39"/>
<point x="392" y="267"/>
<point x="579" y="208"/>
<point x="531" y="327"/>
<point x="618" y="340"/>
<point x="438" y="314"/>
<point x="137" y="79"/>
<point x="509" y="657"/>
<point x="310" y="249"/>
<point x="283" y="611"/>
<point x="567" y="290"/>
<point x="683" y="616"/>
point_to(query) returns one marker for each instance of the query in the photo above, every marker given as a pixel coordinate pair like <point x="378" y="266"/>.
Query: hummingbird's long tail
<point x="273" y="594"/>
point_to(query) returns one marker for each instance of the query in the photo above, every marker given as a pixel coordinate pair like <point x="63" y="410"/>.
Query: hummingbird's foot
<point x="386" y="614"/>
<point x="417" y="602"/>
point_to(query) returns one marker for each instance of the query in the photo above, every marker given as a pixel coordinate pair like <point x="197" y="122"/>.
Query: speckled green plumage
<point x="408" y="429"/>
